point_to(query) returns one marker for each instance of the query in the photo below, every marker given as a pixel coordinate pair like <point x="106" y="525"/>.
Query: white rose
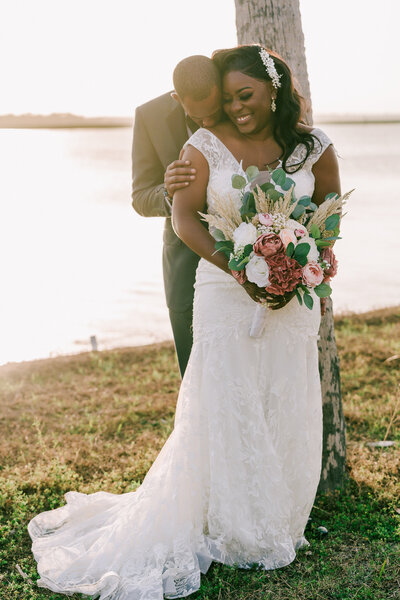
<point x="257" y="271"/>
<point x="313" y="254"/>
<point x="292" y="224"/>
<point x="245" y="234"/>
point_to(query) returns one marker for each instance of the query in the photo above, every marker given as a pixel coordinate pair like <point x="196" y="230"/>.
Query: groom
<point x="161" y="128"/>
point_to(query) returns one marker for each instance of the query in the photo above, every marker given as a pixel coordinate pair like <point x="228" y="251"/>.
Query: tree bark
<point x="276" y="24"/>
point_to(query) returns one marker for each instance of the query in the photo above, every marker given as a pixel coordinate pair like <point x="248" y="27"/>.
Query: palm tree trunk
<point x="277" y="25"/>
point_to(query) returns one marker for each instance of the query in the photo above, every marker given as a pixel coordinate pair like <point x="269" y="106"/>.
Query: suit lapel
<point x="177" y="126"/>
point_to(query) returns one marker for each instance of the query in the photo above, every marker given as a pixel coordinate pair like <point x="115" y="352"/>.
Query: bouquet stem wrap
<point x="259" y="319"/>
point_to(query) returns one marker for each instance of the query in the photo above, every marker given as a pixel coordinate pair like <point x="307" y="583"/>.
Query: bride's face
<point x="247" y="101"/>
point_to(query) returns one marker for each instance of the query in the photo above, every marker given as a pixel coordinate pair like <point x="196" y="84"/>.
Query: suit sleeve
<point x="147" y="174"/>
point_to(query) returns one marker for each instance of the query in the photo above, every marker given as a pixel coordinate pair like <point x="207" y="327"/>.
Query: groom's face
<point x="207" y="112"/>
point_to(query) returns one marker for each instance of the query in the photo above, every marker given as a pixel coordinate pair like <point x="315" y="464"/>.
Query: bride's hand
<point x="275" y="302"/>
<point x="256" y="293"/>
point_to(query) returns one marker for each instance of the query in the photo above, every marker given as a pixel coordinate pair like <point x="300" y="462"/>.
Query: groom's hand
<point x="178" y="175"/>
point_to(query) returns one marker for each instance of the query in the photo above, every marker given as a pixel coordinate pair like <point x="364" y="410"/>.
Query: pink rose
<point x="312" y="274"/>
<point x="284" y="274"/>
<point x="240" y="276"/>
<point x="328" y="256"/>
<point x="301" y="231"/>
<point x="265" y="219"/>
<point x="268" y="244"/>
<point x="287" y="236"/>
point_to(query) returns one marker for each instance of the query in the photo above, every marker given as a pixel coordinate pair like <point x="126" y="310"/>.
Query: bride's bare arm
<point x="326" y="173"/>
<point x="186" y="205"/>
<point x="186" y="222"/>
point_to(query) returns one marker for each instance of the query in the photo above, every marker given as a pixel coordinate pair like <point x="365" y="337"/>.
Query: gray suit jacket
<point x="159" y="133"/>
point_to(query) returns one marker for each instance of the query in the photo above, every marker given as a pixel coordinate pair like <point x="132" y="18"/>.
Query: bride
<point x="236" y="480"/>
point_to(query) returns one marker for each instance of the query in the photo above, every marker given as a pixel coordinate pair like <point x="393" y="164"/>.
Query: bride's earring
<point x="273" y="105"/>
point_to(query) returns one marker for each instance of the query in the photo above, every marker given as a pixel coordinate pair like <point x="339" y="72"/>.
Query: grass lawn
<point x="97" y="421"/>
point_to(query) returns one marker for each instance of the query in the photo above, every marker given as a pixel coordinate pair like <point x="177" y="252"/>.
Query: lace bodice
<point x="222" y="165"/>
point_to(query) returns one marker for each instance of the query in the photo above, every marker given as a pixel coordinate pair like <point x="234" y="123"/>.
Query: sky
<point x="105" y="57"/>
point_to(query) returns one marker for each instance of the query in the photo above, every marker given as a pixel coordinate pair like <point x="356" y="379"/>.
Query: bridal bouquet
<point x="280" y="243"/>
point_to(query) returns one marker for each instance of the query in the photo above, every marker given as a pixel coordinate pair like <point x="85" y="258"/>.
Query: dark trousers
<point x="183" y="337"/>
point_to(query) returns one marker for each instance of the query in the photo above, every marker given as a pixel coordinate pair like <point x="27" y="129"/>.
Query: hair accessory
<point x="270" y="68"/>
<point x="273" y="105"/>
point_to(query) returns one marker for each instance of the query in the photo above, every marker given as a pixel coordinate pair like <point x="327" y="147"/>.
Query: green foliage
<point x="252" y="172"/>
<point x="308" y="301"/>
<point x="315" y="231"/>
<point x="248" y="208"/>
<point x="297" y="211"/>
<point x="331" y="195"/>
<point x="218" y="235"/>
<point x="279" y="177"/>
<point x="300" y="253"/>
<point x="323" y="290"/>
<point x="226" y="247"/>
<point x="298" y="296"/>
<point x="290" y="249"/>
<point x="332" y="222"/>
<point x="238" y="182"/>
<point x="305" y="201"/>
<point x="323" y="243"/>
<point x="238" y="263"/>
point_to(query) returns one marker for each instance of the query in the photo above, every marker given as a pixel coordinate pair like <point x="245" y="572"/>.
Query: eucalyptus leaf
<point x="287" y="184"/>
<point x="323" y="290"/>
<point x="275" y="195"/>
<point x="248" y="208"/>
<point x="218" y="235"/>
<point x="297" y="212"/>
<point x="331" y="195"/>
<point x="252" y="172"/>
<point x="305" y="201"/>
<point x="279" y="176"/>
<point x="332" y="222"/>
<point x="238" y="182"/>
<point x="267" y="187"/>
<point x="312" y="206"/>
<point x="315" y="231"/>
<point x="308" y="301"/>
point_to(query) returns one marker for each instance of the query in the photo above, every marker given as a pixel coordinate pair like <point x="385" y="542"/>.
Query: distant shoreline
<point x="70" y="121"/>
<point x="61" y="121"/>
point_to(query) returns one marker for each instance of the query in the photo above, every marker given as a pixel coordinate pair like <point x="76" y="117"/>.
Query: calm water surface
<point x="78" y="261"/>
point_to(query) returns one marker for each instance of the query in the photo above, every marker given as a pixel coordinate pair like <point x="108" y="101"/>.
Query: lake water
<point x="78" y="261"/>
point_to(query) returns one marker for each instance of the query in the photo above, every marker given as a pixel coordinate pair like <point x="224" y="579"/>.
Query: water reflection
<point x="78" y="261"/>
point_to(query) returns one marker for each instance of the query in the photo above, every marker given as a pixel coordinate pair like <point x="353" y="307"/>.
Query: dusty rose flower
<point x="284" y="274"/>
<point x="328" y="256"/>
<point x="287" y="236"/>
<point x="312" y="274"/>
<point x="265" y="219"/>
<point x="240" y="276"/>
<point x="268" y="244"/>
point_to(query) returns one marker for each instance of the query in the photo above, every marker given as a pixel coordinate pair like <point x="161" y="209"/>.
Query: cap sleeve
<point x="206" y="143"/>
<point x="319" y="146"/>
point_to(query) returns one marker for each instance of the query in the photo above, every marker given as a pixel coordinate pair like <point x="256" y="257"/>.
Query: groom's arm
<point x="147" y="174"/>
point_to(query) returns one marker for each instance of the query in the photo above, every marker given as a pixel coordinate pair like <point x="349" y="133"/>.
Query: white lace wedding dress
<point x="236" y="479"/>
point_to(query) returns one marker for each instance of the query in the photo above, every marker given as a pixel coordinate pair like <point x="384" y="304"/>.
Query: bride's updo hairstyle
<point x="289" y="103"/>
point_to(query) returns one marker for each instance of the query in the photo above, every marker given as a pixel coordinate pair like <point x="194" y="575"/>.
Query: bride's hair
<point x="289" y="103"/>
